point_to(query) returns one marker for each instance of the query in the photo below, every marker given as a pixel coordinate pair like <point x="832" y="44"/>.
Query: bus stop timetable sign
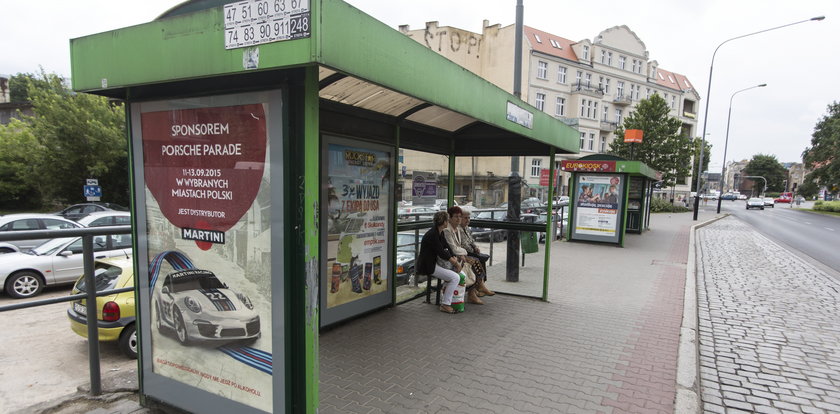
<point x="254" y="22"/>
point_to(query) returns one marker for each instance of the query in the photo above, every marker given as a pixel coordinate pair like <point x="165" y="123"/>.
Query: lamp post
<point x="726" y="142"/>
<point x="708" y="98"/>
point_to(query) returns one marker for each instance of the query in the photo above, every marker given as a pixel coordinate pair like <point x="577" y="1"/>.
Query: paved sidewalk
<point x="607" y="342"/>
<point x="769" y="326"/>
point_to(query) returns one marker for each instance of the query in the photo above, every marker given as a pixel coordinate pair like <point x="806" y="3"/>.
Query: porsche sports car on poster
<point x="200" y="308"/>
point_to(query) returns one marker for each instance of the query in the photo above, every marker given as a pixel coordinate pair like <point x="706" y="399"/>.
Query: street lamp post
<point x="726" y="142"/>
<point x="708" y="98"/>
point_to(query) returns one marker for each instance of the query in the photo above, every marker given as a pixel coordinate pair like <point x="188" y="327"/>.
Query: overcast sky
<point x="800" y="63"/>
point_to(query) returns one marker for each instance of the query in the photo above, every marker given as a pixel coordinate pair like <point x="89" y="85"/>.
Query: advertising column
<point x="207" y="210"/>
<point x="358" y="202"/>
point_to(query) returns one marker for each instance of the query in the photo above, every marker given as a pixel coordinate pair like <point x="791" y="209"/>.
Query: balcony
<point x="622" y="100"/>
<point x="587" y="89"/>
<point x="690" y="115"/>
<point x="608" y="126"/>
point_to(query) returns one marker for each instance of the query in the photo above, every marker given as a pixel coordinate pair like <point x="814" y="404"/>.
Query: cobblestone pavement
<point x="769" y="326"/>
<point x="606" y="342"/>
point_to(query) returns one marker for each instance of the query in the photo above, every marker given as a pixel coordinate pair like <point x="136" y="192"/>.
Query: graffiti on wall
<point x="457" y="41"/>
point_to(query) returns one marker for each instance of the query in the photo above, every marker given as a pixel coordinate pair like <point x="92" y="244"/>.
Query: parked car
<point x="55" y="262"/>
<point x="729" y="196"/>
<point x="531" y="205"/>
<point x="408" y="245"/>
<point x="769" y="202"/>
<point x="486" y="233"/>
<point x="416" y="213"/>
<point x="755" y="202"/>
<point x="784" y="198"/>
<point x="77" y="211"/>
<point x="21" y="222"/>
<point x="115" y="313"/>
<point x="201" y="308"/>
<point x="441" y="204"/>
<point x="106" y="218"/>
<point x="543" y="216"/>
<point x="561" y="201"/>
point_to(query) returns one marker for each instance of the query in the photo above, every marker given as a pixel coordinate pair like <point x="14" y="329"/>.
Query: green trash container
<point x="529" y="242"/>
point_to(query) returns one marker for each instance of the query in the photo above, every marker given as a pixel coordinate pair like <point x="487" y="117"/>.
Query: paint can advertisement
<point x="357" y="222"/>
<point x="208" y="222"/>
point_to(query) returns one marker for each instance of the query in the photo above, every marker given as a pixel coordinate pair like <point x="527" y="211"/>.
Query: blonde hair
<point x="440" y="218"/>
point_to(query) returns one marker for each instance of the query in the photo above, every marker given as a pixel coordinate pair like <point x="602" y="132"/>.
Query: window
<point x="636" y="91"/>
<point x="561" y="74"/>
<point x="560" y="108"/>
<point x="647" y="93"/>
<point x="621" y="61"/>
<point x="618" y="116"/>
<point x="603" y="144"/>
<point x="51" y="224"/>
<point x="582" y="139"/>
<point x="609" y="58"/>
<point x="673" y="101"/>
<point x="588" y="79"/>
<point x="606" y="112"/>
<point x="540" y="103"/>
<point x="601" y="83"/>
<point x="542" y="70"/>
<point x="591" y="141"/>
<point x="537" y="37"/>
<point x="594" y="110"/>
<point x="578" y="76"/>
<point x="607" y="86"/>
<point x="604" y="57"/>
<point x="619" y="89"/>
<point x="555" y="44"/>
<point x="535" y="167"/>
<point x="585" y="52"/>
<point x="582" y="108"/>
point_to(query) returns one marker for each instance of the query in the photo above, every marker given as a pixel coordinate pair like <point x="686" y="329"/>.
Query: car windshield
<point x="203" y="281"/>
<point x="104" y="278"/>
<point x="50" y="246"/>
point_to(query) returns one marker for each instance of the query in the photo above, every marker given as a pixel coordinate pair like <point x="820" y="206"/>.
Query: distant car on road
<point x="22" y="222"/>
<point x="768" y="202"/>
<point x="755" y="202"/>
<point x="78" y="211"/>
<point x="115" y="313"/>
<point x="729" y="196"/>
<point x="784" y="198"/>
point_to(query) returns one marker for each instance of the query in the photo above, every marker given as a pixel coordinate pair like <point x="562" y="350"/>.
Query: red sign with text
<point x="633" y="135"/>
<point x="544" y="173"/>
<point x="204" y="166"/>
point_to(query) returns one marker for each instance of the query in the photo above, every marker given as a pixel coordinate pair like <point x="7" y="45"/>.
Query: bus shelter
<point x="263" y="140"/>
<point x="609" y="197"/>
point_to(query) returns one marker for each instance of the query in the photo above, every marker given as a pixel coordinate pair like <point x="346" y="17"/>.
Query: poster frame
<point x="329" y="316"/>
<point x="620" y="213"/>
<point x="168" y="390"/>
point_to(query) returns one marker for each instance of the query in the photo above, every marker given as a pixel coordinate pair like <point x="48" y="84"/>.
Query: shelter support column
<point x="550" y="224"/>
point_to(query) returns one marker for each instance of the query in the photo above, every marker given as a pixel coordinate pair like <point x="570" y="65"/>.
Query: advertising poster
<point x="358" y="261"/>
<point x="208" y="210"/>
<point x="597" y="205"/>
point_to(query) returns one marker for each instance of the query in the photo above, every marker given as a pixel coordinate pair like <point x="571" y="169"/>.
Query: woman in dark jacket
<point x="434" y="247"/>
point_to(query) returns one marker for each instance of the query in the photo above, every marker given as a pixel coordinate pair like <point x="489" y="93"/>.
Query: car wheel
<point x="180" y="327"/>
<point x="24" y="285"/>
<point x="762" y="208"/>
<point x="159" y="319"/>
<point x="128" y="341"/>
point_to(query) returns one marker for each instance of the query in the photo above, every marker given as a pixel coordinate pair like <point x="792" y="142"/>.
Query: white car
<point x="106" y="218"/>
<point x="199" y="307"/>
<point x="769" y="202"/>
<point x="755" y="202"/>
<point x="57" y="261"/>
<point x="22" y="222"/>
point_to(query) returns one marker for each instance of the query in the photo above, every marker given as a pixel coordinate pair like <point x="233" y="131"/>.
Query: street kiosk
<point x="610" y="196"/>
<point x="262" y="140"/>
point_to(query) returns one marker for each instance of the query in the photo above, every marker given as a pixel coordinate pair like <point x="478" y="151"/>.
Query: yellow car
<point x="115" y="313"/>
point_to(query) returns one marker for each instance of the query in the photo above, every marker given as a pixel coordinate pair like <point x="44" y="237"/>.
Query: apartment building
<point x="591" y="85"/>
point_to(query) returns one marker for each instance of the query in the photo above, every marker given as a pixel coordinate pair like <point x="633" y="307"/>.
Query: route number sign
<point x="254" y="22"/>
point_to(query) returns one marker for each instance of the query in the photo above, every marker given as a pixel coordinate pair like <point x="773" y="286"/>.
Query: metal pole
<point x="708" y="98"/>
<point x="726" y="142"/>
<point x="92" y="325"/>
<point x="515" y="183"/>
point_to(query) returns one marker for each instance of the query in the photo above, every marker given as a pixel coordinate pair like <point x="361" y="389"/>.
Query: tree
<point x="663" y="148"/>
<point x="70" y="138"/>
<point x="19" y="186"/>
<point x="808" y="188"/>
<point x="823" y="156"/>
<point x="707" y="149"/>
<point x="767" y="166"/>
<point x="19" y="84"/>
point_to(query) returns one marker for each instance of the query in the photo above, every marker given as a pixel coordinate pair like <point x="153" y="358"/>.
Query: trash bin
<point x="529" y="239"/>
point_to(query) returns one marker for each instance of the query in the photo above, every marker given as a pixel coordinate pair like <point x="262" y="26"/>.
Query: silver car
<point x="57" y="261"/>
<point x="22" y="222"/>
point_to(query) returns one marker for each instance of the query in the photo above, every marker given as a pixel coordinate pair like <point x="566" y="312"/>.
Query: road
<point x="42" y="358"/>
<point x="814" y="235"/>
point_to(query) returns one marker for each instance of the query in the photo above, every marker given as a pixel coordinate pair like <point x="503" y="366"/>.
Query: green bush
<point x="830" y="206"/>
<point x="661" y="205"/>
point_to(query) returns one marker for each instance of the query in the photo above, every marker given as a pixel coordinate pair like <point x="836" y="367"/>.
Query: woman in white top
<point x="455" y="237"/>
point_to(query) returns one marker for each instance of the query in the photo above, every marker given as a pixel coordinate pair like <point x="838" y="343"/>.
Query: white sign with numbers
<point x="254" y="22"/>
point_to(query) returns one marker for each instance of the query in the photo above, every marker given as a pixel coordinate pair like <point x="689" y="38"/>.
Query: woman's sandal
<point x="446" y="309"/>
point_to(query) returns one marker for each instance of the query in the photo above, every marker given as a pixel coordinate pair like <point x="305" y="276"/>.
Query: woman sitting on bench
<point x="433" y="246"/>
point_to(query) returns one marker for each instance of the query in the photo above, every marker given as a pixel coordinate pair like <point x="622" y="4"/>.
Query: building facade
<point x="591" y="85"/>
